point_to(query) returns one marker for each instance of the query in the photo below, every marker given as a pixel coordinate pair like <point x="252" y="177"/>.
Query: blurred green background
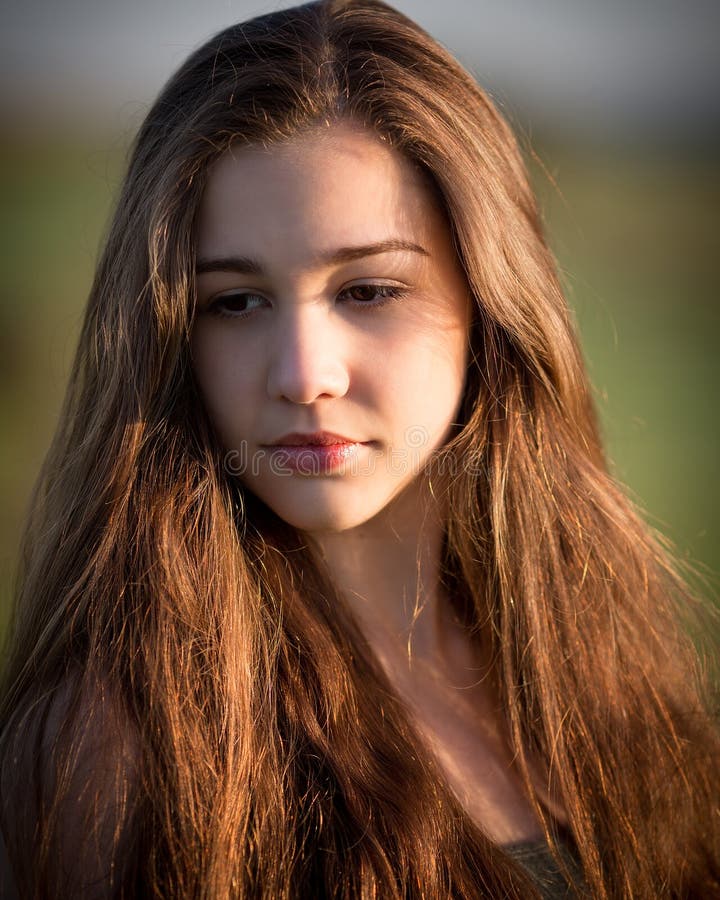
<point x="633" y="223"/>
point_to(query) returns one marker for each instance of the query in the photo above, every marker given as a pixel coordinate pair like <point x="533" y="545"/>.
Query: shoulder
<point x="69" y="797"/>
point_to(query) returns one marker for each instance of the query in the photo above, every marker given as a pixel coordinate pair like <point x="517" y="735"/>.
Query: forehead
<point x="336" y="185"/>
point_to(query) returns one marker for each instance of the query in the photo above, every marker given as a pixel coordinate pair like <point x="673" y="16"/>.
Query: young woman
<point x="326" y="591"/>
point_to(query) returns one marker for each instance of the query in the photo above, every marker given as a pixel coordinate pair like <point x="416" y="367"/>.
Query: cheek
<point x="228" y="386"/>
<point x="425" y="381"/>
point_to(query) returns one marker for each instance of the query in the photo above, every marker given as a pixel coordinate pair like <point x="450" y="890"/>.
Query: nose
<point x="306" y="357"/>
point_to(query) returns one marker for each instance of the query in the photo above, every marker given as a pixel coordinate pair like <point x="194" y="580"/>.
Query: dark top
<point x="537" y="859"/>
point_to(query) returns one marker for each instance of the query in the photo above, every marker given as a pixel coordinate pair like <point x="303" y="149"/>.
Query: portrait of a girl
<point x="325" y="590"/>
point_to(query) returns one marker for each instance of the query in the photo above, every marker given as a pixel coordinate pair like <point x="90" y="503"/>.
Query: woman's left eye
<point x="373" y="295"/>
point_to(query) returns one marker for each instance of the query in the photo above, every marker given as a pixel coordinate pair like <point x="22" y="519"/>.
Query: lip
<point x="313" y="454"/>
<point x="313" y="459"/>
<point x="316" y="439"/>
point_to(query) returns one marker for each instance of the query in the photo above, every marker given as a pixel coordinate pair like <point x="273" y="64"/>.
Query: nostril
<point x="325" y="380"/>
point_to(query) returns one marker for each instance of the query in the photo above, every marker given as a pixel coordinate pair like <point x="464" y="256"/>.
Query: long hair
<point x="184" y="680"/>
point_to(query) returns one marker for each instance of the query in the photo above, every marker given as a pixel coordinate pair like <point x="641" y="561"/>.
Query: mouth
<point x="316" y="439"/>
<point x="321" y="453"/>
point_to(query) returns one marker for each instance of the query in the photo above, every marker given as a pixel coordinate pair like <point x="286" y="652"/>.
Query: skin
<point x="304" y="347"/>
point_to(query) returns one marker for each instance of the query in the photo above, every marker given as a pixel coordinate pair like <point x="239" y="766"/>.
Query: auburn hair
<point x="188" y="708"/>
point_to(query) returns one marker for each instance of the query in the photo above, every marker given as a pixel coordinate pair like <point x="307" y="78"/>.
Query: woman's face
<point x="329" y="299"/>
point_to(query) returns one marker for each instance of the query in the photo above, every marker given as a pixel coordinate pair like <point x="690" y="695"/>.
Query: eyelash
<point x="389" y="294"/>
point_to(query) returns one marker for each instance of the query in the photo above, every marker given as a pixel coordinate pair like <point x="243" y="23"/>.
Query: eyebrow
<point x="246" y="266"/>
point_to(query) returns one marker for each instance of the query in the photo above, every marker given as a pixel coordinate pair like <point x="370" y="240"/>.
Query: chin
<point x="320" y="520"/>
<point x="319" y="512"/>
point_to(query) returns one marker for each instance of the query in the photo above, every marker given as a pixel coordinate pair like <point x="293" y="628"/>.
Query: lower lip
<point x="312" y="459"/>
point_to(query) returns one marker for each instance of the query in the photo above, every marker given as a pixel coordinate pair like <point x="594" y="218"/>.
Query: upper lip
<point x="298" y="439"/>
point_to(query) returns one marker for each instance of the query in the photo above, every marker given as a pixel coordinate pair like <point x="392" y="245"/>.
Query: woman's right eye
<point x="234" y="305"/>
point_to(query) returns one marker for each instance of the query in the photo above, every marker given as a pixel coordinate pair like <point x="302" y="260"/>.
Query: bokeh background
<point x="616" y="105"/>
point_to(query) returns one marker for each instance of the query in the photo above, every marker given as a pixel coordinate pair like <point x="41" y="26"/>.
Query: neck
<point x="388" y="571"/>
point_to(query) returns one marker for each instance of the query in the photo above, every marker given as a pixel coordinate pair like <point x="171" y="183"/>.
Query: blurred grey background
<point x="607" y="69"/>
<point x="616" y="104"/>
